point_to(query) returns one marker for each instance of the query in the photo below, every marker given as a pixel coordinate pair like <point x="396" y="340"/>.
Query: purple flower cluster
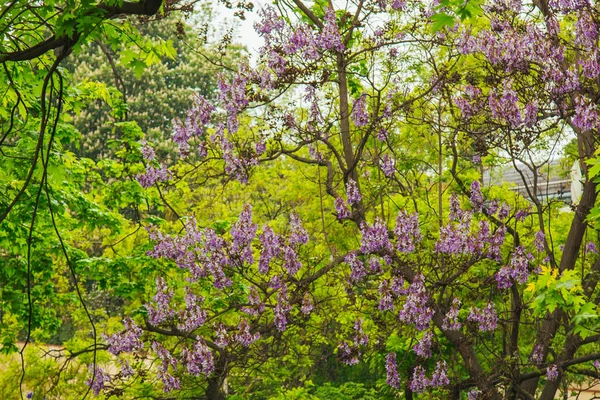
<point x="197" y="117"/>
<point x="455" y="238"/>
<point x="153" y="175"/>
<point x="375" y="238"/>
<point x="420" y="382"/>
<point x="127" y="341"/>
<point x="298" y="234"/>
<point x="476" y="197"/>
<point x="391" y="369"/>
<point x="590" y="247"/>
<point x="330" y="37"/>
<point x="281" y="309"/>
<point x="271" y="248"/>
<point x="244" y="337"/>
<point x="352" y="192"/>
<point x="586" y="115"/>
<point x="360" y="115"/>
<point x="167" y="360"/>
<point x="160" y="311"/>
<point x="407" y="231"/>
<point x="290" y="260"/>
<point x="415" y="309"/>
<point x="423" y="346"/>
<point x="255" y="305"/>
<point x="341" y="208"/>
<point x="388" y="166"/>
<point x="99" y="380"/>
<point x="198" y="360"/>
<point x="486" y="317"/>
<point x="357" y="268"/>
<point x="243" y="232"/>
<point x="386" y="300"/>
<point x="307" y="304"/>
<point x="540" y="241"/>
<point x="233" y="98"/>
<point x="518" y="269"/>
<point x="451" y="321"/>
<point x="537" y="355"/>
<point x="221" y="336"/>
<point x="348" y="355"/>
<point x="192" y="316"/>
<point x="552" y="372"/>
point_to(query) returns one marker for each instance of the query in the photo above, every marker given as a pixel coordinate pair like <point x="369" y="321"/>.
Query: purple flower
<point x="127" y="341"/>
<point x="153" y="175"/>
<point x="243" y="232"/>
<point x="193" y="316"/>
<point x="586" y="115"/>
<point x="451" y="321"/>
<point x="415" y="309"/>
<point x="348" y="355"/>
<point x="148" y="152"/>
<point x="407" y="231"/>
<point x="307" y="304"/>
<point x="271" y="248"/>
<point x="496" y="242"/>
<point x="456" y="212"/>
<point x="126" y="370"/>
<point x="352" y="192"/>
<point x="386" y="301"/>
<point x="586" y="31"/>
<point x="423" y="346"/>
<point x="360" y="337"/>
<point x="455" y="239"/>
<point x="359" y="115"/>
<point x="476" y="196"/>
<point x="388" y="166"/>
<point x="540" y="240"/>
<point x="537" y="355"/>
<point x="299" y="234"/>
<point x="357" y="268"/>
<point x="440" y="376"/>
<point x="391" y="369"/>
<point x="167" y="360"/>
<point x="591" y="248"/>
<point x="197" y="117"/>
<point x="375" y="265"/>
<point x="290" y="260"/>
<point x="375" y="238"/>
<point x="281" y="309"/>
<point x="419" y="382"/>
<point x="341" y="208"/>
<point x="198" y="360"/>
<point x="486" y="317"/>
<point x="260" y="148"/>
<point x="99" y="380"/>
<point x="474" y="394"/>
<point x="330" y="37"/>
<point x="518" y="269"/>
<point x="504" y="211"/>
<point x="221" y="336"/>
<point x="552" y="372"/>
<point x="244" y="337"/>
<point x="161" y="310"/>
<point x="256" y="306"/>
<point x="530" y="117"/>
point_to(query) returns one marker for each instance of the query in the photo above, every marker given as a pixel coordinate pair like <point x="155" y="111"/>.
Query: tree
<point x="387" y="112"/>
<point x="432" y="263"/>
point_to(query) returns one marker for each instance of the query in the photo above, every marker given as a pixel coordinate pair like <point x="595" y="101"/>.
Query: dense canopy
<point x="325" y="217"/>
